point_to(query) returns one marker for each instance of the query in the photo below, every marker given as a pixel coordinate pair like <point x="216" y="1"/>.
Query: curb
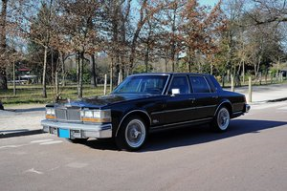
<point x="277" y="100"/>
<point x="21" y="133"/>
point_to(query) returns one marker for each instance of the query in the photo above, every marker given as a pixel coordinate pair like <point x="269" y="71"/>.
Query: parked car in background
<point x="145" y="103"/>
<point x="1" y="106"/>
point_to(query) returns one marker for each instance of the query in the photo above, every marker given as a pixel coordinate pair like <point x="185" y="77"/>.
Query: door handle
<point x="192" y="100"/>
<point x="214" y="97"/>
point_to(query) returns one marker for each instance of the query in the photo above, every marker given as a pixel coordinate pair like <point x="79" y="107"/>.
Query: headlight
<point x="96" y="116"/>
<point x="50" y="113"/>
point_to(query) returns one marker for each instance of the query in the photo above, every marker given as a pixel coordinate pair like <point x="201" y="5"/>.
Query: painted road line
<point x="51" y="143"/>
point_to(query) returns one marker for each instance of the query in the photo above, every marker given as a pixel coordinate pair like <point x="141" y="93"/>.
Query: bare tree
<point x="200" y="29"/>
<point x="3" y="46"/>
<point x="269" y="11"/>
<point x="77" y="26"/>
<point x="38" y="29"/>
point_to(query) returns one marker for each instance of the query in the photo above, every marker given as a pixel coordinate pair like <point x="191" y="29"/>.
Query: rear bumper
<point x="246" y="108"/>
<point x="77" y="131"/>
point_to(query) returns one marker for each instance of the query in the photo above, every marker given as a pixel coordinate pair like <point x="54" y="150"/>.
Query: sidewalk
<point x="21" y="120"/>
<point x="264" y="93"/>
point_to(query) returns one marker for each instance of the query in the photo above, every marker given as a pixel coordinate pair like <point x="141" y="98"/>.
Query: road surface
<point x="250" y="156"/>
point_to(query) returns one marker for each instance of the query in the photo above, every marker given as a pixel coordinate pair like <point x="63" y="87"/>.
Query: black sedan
<point x="1" y="106"/>
<point x="145" y="103"/>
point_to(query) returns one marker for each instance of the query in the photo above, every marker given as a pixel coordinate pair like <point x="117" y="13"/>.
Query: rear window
<point x="199" y="84"/>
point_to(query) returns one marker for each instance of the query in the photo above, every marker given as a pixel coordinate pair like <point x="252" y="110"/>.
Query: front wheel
<point x="221" y="120"/>
<point x="132" y="134"/>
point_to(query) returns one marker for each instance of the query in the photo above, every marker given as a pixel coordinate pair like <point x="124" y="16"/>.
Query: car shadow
<point x="193" y="135"/>
<point x="102" y="144"/>
<point x="203" y="134"/>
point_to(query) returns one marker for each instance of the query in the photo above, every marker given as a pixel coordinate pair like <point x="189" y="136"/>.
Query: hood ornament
<point x="68" y="104"/>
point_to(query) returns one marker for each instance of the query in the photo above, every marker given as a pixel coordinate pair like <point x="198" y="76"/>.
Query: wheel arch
<point x="225" y="103"/>
<point x="143" y="114"/>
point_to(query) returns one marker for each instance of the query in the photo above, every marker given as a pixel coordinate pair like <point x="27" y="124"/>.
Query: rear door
<point x="206" y="97"/>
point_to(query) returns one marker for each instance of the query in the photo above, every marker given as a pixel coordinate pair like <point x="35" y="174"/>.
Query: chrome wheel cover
<point x="135" y="133"/>
<point x="223" y="119"/>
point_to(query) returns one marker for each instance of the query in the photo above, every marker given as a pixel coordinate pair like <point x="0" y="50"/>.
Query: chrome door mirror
<point x="175" y="91"/>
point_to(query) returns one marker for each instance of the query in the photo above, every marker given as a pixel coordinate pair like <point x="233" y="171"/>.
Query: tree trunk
<point x="56" y="79"/>
<point x="111" y="74"/>
<point x="146" y="59"/>
<point x="243" y="73"/>
<point x="14" y="79"/>
<point x="44" y="72"/>
<point x="80" y="74"/>
<point x="3" y="77"/>
<point x="63" y="69"/>
<point x="165" y="64"/>
<point x="93" y="71"/>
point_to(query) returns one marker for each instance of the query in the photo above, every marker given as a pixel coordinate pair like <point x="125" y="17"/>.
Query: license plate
<point x="64" y="133"/>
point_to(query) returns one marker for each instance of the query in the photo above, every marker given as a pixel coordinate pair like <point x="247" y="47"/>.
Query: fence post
<point x="250" y="90"/>
<point x="232" y="83"/>
<point x="105" y="85"/>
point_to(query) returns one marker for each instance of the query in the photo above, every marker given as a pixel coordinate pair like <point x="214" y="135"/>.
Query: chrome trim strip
<point x="185" y="109"/>
<point x="185" y="122"/>
<point x="205" y="106"/>
<point x="166" y="83"/>
<point x="174" y="110"/>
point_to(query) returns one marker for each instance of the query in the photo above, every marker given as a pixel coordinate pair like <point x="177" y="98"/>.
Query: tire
<point x="221" y="120"/>
<point x="78" y="141"/>
<point x="132" y="134"/>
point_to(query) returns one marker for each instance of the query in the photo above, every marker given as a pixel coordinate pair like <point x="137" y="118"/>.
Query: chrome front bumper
<point x="77" y="131"/>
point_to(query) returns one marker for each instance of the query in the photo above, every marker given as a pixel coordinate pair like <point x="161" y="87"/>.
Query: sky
<point x="208" y="2"/>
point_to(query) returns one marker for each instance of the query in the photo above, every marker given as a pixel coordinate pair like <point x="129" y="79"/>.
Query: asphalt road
<point x="252" y="155"/>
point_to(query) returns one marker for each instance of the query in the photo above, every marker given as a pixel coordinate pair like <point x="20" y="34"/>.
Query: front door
<point x="180" y="102"/>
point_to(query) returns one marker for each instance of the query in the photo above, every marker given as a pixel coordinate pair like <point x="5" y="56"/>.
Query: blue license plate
<point x="64" y="133"/>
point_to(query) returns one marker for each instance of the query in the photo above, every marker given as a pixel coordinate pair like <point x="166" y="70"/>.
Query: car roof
<point x="171" y="73"/>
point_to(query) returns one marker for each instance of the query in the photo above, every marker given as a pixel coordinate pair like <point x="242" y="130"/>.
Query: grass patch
<point x="33" y="94"/>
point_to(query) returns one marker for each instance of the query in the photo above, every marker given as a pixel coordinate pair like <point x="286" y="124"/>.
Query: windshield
<point x="142" y="84"/>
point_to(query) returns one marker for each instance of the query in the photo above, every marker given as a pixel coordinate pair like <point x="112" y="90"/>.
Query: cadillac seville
<point x="144" y="103"/>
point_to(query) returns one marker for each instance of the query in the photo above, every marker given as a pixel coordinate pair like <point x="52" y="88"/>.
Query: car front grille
<point x="68" y="114"/>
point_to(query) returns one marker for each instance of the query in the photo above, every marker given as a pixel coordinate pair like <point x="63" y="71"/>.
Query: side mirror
<point x="175" y="91"/>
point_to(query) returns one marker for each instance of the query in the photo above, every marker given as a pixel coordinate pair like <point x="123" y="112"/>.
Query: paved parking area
<point x="21" y="118"/>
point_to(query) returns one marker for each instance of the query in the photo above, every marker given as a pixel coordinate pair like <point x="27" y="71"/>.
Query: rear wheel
<point x="221" y="120"/>
<point x="132" y="134"/>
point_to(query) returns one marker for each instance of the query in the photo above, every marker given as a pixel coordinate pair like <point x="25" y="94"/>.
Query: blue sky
<point x="208" y="2"/>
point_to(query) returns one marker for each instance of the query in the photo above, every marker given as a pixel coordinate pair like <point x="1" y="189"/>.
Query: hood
<point x="101" y="101"/>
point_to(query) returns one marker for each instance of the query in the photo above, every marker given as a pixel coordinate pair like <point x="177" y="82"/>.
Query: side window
<point x="180" y="83"/>
<point x="199" y="84"/>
